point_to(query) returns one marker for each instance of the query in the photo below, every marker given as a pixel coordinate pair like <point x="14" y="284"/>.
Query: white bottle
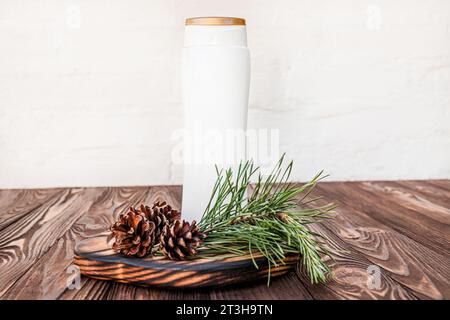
<point x="216" y="79"/>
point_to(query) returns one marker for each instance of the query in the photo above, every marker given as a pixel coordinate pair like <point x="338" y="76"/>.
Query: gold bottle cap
<point x="215" y="21"/>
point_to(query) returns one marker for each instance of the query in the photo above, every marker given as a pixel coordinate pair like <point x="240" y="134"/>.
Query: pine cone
<point x="134" y="234"/>
<point x="180" y="239"/>
<point x="160" y="214"/>
<point x="166" y="209"/>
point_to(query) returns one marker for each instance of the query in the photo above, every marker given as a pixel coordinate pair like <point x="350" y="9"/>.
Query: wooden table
<point x="402" y="227"/>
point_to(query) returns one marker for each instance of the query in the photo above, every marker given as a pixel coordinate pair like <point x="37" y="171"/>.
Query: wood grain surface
<point x="399" y="230"/>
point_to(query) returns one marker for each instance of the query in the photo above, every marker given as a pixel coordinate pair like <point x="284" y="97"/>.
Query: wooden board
<point x="96" y="259"/>
<point x="402" y="227"/>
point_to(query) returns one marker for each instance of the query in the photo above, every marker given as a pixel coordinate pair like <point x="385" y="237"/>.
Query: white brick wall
<point x="90" y="89"/>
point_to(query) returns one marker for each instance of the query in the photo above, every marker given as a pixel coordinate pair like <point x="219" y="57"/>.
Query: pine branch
<point x="271" y="221"/>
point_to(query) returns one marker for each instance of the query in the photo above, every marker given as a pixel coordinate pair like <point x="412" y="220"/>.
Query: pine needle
<point x="271" y="221"/>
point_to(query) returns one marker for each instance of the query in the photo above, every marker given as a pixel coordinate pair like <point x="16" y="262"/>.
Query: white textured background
<point x="90" y="89"/>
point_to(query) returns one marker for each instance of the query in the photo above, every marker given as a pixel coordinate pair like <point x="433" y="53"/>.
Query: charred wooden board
<point x="95" y="259"/>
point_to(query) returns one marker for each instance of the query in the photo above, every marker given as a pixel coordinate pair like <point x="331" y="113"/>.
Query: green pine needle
<point x="271" y="221"/>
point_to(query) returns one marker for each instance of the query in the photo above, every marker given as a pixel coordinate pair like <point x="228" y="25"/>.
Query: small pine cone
<point x="180" y="239"/>
<point x="160" y="214"/>
<point x="166" y="209"/>
<point x="134" y="234"/>
<point x="158" y="218"/>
